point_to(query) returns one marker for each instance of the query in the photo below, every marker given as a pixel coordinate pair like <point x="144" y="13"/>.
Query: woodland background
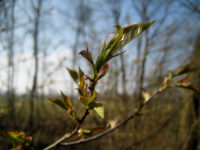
<point x="40" y="38"/>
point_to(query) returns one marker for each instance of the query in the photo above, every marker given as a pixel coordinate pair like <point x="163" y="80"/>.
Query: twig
<point x="100" y="134"/>
<point x="136" y="113"/>
<point x="80" y="122"/>
<point x="66" y="136"/>
<point x="159" y="129"/>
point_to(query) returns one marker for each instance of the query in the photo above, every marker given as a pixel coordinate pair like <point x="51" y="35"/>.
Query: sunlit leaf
<point x="184" y="69"/>
<point x="113" y="123"/>
<point x="73" y="74"/>
<point x="122" y="36"/>
<point x="19" y="136"/>
<point x="188" y="86"/>
<point x="59" y="102"/>
<point x="81" y="78"/>
<point x="98" y="107"/>
<point x="146" y="96"/>
<point x="66" y="100"/>
<point x="132" y="31"/>
<point x="92" y="98"/>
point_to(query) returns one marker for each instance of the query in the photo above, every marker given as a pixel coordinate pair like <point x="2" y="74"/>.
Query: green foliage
<point x="182" y="83"/>
<point x="86" y="90"/>
<point x="20" y="139"/>
<point x="121" y="37"/>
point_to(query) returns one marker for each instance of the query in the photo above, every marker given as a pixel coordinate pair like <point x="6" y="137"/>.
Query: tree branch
<point x="160" y="128"/>
<point x="100" y="134"/>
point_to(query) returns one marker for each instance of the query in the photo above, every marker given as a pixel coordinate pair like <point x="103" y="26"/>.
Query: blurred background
<point x="40" y="38"/>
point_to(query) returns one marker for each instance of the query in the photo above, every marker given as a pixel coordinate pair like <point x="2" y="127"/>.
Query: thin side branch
<point x="66" y="136"/>
<point x="100" y="134"/>
<point x="148" y="137"/>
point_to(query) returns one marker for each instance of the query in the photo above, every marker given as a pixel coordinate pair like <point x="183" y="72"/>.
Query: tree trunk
<point x="36" y="61"/>
<point x="11" y="93"/>
<point x="192" y="110"/>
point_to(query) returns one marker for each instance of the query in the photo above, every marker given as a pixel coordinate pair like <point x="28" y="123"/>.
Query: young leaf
<point x="81" y="78"/>
<point x="146" y="96"/>
<point x="59" y="102"/>
<point x="73" y="74"/>
<point x="66" y="100"/>
<point x="20" y="136"/>
<point x="73" y="114"/>
<point x="98" y="107"/>
<point x="104" y="69"/>
<point x="132" y="31"/>
<point x="188" y="86"/>
<point x="87" y="54"/>
<point x="92" y="98"/>
<point x="122" y="36"/>
<point x="184" y="69"/>
<point x="84" y="100"/>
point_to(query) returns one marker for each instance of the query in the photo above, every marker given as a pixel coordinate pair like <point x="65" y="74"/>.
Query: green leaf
<point x="87" y="54"/>
<point x="132" y="31"/>
<point x="86" y="100"/>
<point x="81" y="82"/>
<point x="66" y="100"/>
<point x="58" y="101"/>
<point x="92" y="98"/>
<point x="146" y="96"/>
<point x="184" y="69"/>
<point x="103" y="71"/>
<point x="187" y="86"/>
<point x="98" y="107"/>
<point x="87" y="132"/>
<point x="73" y="114"/>
<point x="122" y="36"/>
<point x="73" y="74"/>
<point x="19" y="136"/>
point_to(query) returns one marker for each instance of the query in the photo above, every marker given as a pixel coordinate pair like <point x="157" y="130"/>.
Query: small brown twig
<point x="80" y="122"/>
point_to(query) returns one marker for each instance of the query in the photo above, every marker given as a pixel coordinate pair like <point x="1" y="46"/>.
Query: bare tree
<point x="8" y="20"/>
<point x="37" y="14"/>
<point x="116" y="11"/>
<point x="190" y="129"/>
<point x="147" y="10"/>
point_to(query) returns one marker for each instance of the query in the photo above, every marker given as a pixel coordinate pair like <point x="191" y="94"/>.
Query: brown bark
<point x="36" y="61"/>
<point x="192" y="111"/>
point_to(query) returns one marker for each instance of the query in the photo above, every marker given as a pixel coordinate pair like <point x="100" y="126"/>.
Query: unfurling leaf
<point x="98" y="107"/>
<point x="186" y="85"/>
<point x="104" y="69"/>
<point x="87" y="54"/>
<point x="91" y="131"/>
<point x="184" y="69"/>
<point x="81" y="76"/>
<point x="20" y="136"/>
<point x="59" y="102"/>
<point x="73" y="74"/>
<point x="86" y="100"/>
<point x="113" y="123"/>
<point x="122" y="36"/>
<point x="92" y="98"/>
<point x="66" y="100"/>
<point x="146" y="96"/>
<point x="73" y="114"/>
<point x="118" y="54"/>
